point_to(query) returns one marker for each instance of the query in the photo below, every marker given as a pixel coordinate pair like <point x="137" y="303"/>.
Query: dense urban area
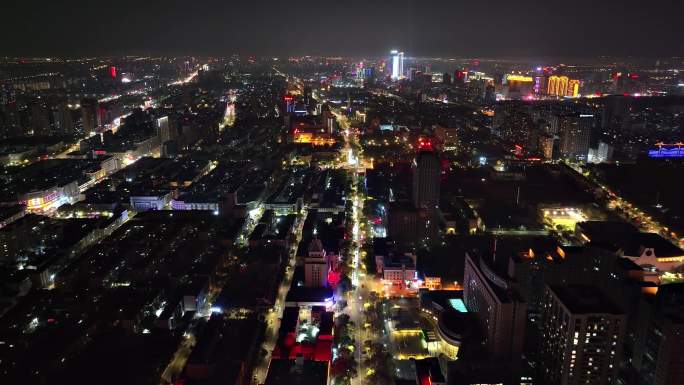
<point x="312" y="220"/>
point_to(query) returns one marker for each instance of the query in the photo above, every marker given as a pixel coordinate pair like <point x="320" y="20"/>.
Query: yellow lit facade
<point x="560" y="252"/>
<point x="563" y="86"/>
<point x="439" y="347"/>
<point x="558" y="85"/>
<point x="449" y="350"/>
<point x="519" y="78"/>
<point x="437" y="343"/>
<point x="433" y="283"/>
<point x="671" y="259"/>
<point x="650" y="290"/>
<point x="314" y="139"/>
<point x="43" y="202"/>
<point x="407" y="332"/>
<point x="573" y="88"/>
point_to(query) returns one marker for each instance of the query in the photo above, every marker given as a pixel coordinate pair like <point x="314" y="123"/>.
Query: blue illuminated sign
<point x="677" y="152"/>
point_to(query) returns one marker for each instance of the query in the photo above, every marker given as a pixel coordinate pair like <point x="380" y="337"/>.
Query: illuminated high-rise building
<point x="545" y="145"/>
<point x="394" y="54"/>
<point x="397" y="64"/>
<point x="541" y="84"/>
<point x="328" y="120"/>
<point x="552" y="85"/>
<point x="518" y="86"/>
<point x="446" y="78"/>
<point x="447" y="137"/>
<point x="624" y="83"/>
<point x="359" y="70"/>
<point x="573" y="88"/>
<point x="426" y="176"/>
<point x="90" y="117"/>
<point x="460" y="76"/>
<point x="582" y="336"/>
<point x="575" y="131"/>
<point x="40" y="123"/>
<point x="558" y="85"/>
<point x="10" y="121"/>
<point x="615" y="112"/>
<point x="289" y="104"/>
<point x="658" y="356"/>
<point x="61" y="122"/>
<point x="164" y="129"/>
<point x="563" y="86"/>
<point x="498" y="307"/>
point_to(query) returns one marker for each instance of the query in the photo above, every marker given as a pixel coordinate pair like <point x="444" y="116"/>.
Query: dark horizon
<point x="527" y="28"/>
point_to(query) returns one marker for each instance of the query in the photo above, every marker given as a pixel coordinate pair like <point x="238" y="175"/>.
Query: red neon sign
<point x="425" y="144"/>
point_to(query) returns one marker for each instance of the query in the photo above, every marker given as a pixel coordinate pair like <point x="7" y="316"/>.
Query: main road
<point x="359" y="296"/>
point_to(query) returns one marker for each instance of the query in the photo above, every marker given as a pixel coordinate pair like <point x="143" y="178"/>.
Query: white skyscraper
<point x="397" y="64"/>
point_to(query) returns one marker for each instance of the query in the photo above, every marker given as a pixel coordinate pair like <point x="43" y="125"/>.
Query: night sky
<point x="489" y="28"/>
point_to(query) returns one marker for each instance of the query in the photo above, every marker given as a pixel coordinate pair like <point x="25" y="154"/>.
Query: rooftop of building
<point x="387" y="247"/>
<point x="478" y="371"/>
<point x="633" y="245"/>
<point x="297" y="372"/>
<point x="34" y="141"/>
<point x="255" y="282"/>
<point x="605" y="229"/>
<point x="625" y="237"/>
<point x="669" y="302"/>
<point x="133" y="357"/>
<point x="542" y="184"/>
<point x="328" y="228"/>
<point x="525" y="249"/>
<point x="43" y="175"/>
<point x="146" y="248"/>
<point x="316" y="246"/>
<point x="308" y="294"/>
<point x="582" y="299"/>
<point x="493" y="271"/>
<point x="228" y="372"/>
<point x="445" y="299"/>
<point x="403" y="206"/>
<point x="222" y="339"/>
<point x="458" y="325"/>
<point x="39" y="239"/>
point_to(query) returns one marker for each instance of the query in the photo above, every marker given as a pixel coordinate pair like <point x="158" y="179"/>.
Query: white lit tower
<point x="397" y="64"/>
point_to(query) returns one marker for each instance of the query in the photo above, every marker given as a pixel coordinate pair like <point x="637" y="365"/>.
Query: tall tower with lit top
<point x="426" y="175"/>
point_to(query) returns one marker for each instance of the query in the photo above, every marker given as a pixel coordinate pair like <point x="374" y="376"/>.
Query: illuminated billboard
<point x="519" y="78"/>
<point x="675" y="150"/>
